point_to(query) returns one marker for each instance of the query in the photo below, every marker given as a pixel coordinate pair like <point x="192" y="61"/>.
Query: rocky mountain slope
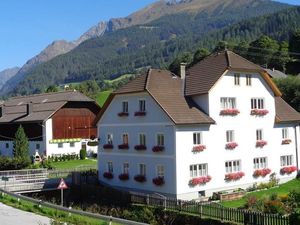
<point x="5" y="75"/>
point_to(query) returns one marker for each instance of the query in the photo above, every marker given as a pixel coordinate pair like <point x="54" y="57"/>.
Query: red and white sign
<point x="62" y="184"/>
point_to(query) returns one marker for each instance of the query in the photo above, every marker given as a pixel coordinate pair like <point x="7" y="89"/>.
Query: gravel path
<point x="12" y="216"/>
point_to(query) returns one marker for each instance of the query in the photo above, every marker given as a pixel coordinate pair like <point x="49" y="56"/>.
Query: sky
<point x="28" y="26"/>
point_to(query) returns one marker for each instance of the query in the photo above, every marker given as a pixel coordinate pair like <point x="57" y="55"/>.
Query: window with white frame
<point x="126" y="168"/>
<point x="125" y="106"/>
<point x="142" y="138"/>
<point x="72" y="144"/>
<point x="260" y="163"/>
<point x="125" y="138"/>
<point x="259" y="135"/>
<point x="229" y="136"/>
<point x="160" y="170"/>
<point x="142" y="169"/>
<point x="6" y="145"/>
<point x="248" y="80"/>
<point x="257" y="103"/>
<point x="197" y="138"/>
<point x="233" y="166"/>
<point x="160" y="139"/>
<point x="228" y="103"/>
<point x="285" y="133"/>
<point x="109" y="139"/>
<point x="110" y="168"/>
<point x="142" y="105"/>
<point x="237" y="79"/>
<point x="286" y="160"/>
<point x="60" y="145"/>
<point x="198" y="170"/>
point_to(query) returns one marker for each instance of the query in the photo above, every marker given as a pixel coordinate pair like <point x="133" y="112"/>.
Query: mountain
<point x="5" y="75"/>
<point x="149" y="37"/>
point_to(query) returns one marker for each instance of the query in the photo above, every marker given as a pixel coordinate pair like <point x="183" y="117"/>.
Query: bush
<point x="82" y="154"/>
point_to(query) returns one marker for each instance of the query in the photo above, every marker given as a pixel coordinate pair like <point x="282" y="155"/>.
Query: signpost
<point x="62" y="185"/>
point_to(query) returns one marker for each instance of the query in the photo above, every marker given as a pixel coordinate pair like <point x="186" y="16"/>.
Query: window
<point x="125" y="138"/>
<point x="126" y="168"/>
<point x="257" y="103"/>
<point x="197" y="138"/>
<point x="60" y="145"/>
<point x="6" y="145"/>
<point x="110" y="167"/>
<point x="236" y="79"/>
<point x="160" y="170"/>
<point x="230" y="136"/>
<point x="228" y="103"/>
<point x="285" y="133"/>
<point x="37" y="146"/>
<point x="125" y="107"/>
<point x="142" y="139"/>
<point x="72" y="144"/>
<point x="198" y="170"/>
<point x="142" y="105"/>
<point x="160" y="140"/>
<point x="259" y="135"/>
<point x="142" y="169"/>
<point x="109" y="139"/>
<point x="260" y="163"/>
<point x="233" y="166"/>
<point x="286" y="160"/>
<point x="248" y="80"/>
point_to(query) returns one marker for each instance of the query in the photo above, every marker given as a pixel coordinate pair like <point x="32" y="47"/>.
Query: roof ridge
<point x="228" y="58"/>
<point x="41" y="94"/>
<point x="246" y="60"/>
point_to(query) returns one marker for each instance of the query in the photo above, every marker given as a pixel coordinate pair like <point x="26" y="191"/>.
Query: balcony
<point x="259" y="112"/>
<point x="229" y="112"/>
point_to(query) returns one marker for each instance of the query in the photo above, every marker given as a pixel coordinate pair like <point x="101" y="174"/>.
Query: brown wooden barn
<point x="55" y="123"/>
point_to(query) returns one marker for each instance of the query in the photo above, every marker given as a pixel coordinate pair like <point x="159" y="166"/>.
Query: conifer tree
<point x="21" y="145"/>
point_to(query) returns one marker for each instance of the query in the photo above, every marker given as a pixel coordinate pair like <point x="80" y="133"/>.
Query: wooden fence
<point x="211" y="210"/>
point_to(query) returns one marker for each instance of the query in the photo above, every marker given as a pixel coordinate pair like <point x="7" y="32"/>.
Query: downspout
<point x="296" y="145"/>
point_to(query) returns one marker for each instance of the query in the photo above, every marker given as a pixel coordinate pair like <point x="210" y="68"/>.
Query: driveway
<point x="10" y="216"/>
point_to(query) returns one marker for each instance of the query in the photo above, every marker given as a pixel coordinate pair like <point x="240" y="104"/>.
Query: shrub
<point x="82" y="154"/>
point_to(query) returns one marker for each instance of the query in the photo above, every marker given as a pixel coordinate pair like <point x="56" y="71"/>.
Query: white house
<point x="55" y="123"/>
<point x="221" y="125"/>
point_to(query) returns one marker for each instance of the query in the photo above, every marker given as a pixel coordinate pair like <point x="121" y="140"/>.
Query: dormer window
<point x="237" y="79"/>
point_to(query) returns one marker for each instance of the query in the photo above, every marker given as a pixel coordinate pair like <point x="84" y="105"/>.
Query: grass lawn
<point x="74" y="164"/>
<point x="102" y="96"/>
<point x="283" y="189"/>
<point x="119" y="78"/>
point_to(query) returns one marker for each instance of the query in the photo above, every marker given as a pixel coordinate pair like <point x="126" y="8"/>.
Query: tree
<point x="89" y="88"/>
<point x="294" y="48"/>
<point x="200" y="54"/>
<point x="221" y="46"/>
<point x="21" y="145"/>
<point x="281" y="58"/>
<point x="184" y="58"/>
<point x="51" y="88"/>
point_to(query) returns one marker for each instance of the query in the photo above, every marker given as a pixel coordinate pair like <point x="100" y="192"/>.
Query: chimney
<point x="182" y="70"/>
<point x="2" y="110"/>
<point x="29" y="108"/>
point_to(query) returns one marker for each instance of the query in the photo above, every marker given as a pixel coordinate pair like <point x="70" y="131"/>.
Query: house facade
<point x="55" y="123"/>
<point x="221" y="125"/>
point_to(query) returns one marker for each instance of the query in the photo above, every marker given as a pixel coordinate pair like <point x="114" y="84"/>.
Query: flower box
<point x="234" y="176"/>
<point x="199" y="180"/>
<point x="286" y="141"/>
<point x="259" y="112"/>
<point x="230" y="112"/>
<point x="158" y="181"/>
<point x="261" y="143"/>
<point x="124" y="176"/>
<point x="140" y="178"/>
<point x="123" y="146"/>
<point x="231" y="145"/>
<point x="108" y="146"/>
<point x="288" y="169"/>
<point x="158" y="148"/>
<point x="262" y="172"/>
<point x="123" y="114"/>
<point x="108" y="175"/>
<point x="140" y="113"/>
<point x="229" y="196"/>
<point x="140" y="147"/>
<point x="198" y="148"/>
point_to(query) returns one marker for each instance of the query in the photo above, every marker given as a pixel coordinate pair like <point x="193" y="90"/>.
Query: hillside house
<point x="55" y="123"/>
<point x="221" y="125"/>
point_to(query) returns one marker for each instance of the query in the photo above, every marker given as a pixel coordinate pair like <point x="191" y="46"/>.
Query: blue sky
<point x="28" y="26"/>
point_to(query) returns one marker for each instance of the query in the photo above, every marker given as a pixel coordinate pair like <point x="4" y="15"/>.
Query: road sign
<point x="62" y="184"/>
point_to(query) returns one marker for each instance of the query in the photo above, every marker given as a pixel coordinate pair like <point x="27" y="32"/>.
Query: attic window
<point x="45" y="100"/>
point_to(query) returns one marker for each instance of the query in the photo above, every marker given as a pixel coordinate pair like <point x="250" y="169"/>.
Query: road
<point x="12" y="216"/>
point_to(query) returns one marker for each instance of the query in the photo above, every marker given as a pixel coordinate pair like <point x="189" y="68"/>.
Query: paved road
<point x="12" y="216"/>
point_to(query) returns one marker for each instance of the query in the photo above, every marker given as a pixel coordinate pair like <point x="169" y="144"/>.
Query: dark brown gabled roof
<point x="202" y="76"/>
<point x="43" y="106"/>
<point x="284" y="112"/>
<point x="166" y="89"/>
